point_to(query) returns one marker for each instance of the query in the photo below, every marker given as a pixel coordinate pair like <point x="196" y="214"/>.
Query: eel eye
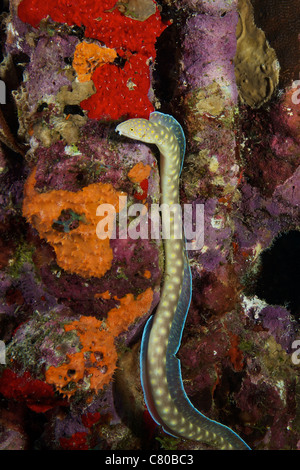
<point x="131" y="129"/>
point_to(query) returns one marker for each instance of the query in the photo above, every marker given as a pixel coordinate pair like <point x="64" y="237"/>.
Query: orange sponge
<point x="93" y="366"/>
<point x="78" y="250"/>
<point x="139" y="172"/>
<point x="89" y="56"/>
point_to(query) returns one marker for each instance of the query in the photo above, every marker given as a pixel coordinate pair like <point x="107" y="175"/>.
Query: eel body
<point x="161" y="377"/>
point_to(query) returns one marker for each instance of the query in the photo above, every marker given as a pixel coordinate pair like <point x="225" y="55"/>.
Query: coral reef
<point x="73" y="306"/>
<point x="241" y="164"/>
<point x="120" y="89"/>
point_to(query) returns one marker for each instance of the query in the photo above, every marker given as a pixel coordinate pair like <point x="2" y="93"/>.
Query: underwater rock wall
<point x="73" y="306"/>
<point x="242" y="165"/>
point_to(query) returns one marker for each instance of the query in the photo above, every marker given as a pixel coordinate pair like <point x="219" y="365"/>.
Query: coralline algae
<point x="214" y="33"/>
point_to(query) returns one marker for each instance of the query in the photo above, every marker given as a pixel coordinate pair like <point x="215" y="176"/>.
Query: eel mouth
<point x="119" y="130"/>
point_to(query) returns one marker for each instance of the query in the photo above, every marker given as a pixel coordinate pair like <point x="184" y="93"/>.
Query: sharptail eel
<point x="161" y="376"/>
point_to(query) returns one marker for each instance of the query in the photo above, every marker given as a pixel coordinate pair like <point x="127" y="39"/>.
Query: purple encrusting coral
<point x="33" y="292"/>
<point x="216" y="35"/>
<point x="288" y="193"/>
<point x="19" y="34"/>
<point x="121" y="279"/>
<point x="11" y="186"/>
<point x="94" y="158"/>
<point x="68" y="426"/>
<point x="216" y="233"/>
<point x="73" y="422"/>
<point x="12" y="439"/>
<point x="266" y="217"/>
<point x="5" y="284"/>
<point x="278" y="321"/>
<point x="45" y="71"/>
<point x="213" y="8"/>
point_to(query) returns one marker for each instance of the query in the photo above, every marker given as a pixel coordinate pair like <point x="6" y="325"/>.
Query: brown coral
<point x="139" y="10"/>
<point x="68" y="221"/>
<point x="256" y="64"/>
<point x="280" y="21"/>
